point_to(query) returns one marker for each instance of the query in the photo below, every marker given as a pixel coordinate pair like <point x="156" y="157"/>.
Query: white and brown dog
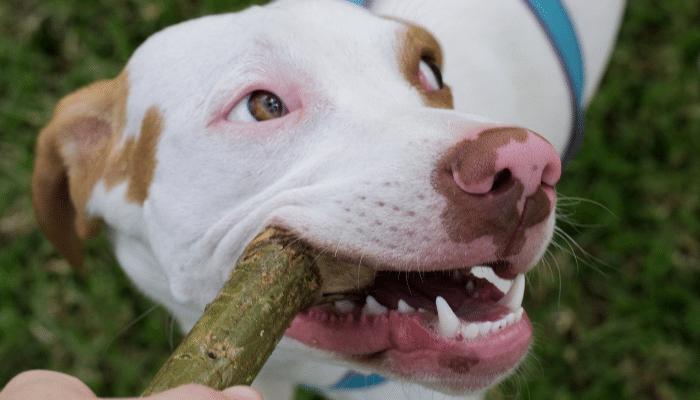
<point x="321" y="118"/>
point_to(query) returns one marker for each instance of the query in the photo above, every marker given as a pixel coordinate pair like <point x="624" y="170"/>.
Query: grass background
<point x="624" y="327"/>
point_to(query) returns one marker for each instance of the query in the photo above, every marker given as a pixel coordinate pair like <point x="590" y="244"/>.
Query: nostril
<point x="551" y="173"/>
<point x="500" y="180"/>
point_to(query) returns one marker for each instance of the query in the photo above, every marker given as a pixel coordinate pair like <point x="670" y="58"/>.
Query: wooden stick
<point x="276" y="277"/>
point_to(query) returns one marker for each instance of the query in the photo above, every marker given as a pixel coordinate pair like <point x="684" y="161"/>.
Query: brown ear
<point x="70" y="157"/>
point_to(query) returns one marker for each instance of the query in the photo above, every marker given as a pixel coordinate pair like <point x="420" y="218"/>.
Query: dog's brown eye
<point x="264" y="105"/>
<point x="430" y="76"/>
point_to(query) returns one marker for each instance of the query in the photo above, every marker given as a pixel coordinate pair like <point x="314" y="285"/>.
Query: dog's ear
<point x="70" y="157"/>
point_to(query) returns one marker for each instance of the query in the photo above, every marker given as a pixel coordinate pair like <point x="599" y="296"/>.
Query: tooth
<point x="519" y="314"/>
<point x="345" y="306"/>
<point x="470" y="331"/>
<point x="404" y="308"/>
<point x="449" y="323"/>
<point x="510" y="318"/>
<point x="498" y="325"/>
<point x="372" y="307"/>
<point x="514" y="298"/>
<point x="485" y="328"/>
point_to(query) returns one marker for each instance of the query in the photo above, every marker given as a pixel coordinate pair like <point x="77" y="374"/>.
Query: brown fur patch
<point x="135" y="162"/>
<point x="418" y="43"/>
<point x="145" y="152"/>
<point x="476" y="159"/>
<point x="78" y="148"/>
<point x="468" y="216"/>
<point x="69" y="159"/>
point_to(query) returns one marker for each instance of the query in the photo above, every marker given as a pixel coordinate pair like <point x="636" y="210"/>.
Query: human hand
<point x="40" y="385"/>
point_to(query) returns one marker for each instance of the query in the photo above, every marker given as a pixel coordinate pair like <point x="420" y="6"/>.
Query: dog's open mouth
<point x="447" y="329"/>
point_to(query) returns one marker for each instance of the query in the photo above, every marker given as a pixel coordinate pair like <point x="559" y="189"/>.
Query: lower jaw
<point x="405" y="347"/>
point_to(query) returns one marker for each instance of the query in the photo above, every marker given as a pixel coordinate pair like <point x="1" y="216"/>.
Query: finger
<point x="40" y="384"/>
<point x="244" y="393"/>
<point x="199" y="392"/>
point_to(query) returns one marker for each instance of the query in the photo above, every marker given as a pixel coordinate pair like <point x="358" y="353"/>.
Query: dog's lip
<point x="406" y="345"/>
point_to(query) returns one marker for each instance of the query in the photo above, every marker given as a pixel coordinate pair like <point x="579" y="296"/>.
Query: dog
<point x="328" y="120"/>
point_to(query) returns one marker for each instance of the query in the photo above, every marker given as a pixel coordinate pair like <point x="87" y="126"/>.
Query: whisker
<point x="132" y="323"/>
<point x="579" y="253"/>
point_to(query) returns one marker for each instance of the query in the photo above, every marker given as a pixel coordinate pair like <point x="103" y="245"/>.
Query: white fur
<point x="211" y="193"/>
<point x="517" y="69"/>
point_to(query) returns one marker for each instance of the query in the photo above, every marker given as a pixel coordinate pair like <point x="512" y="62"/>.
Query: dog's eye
<point x="430" y="76"/>
<point x="260" y="105"/>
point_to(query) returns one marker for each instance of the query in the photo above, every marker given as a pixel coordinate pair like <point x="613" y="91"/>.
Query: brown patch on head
<point x="469" y="216"/>
<point x="419" y="44"/>
<point x="476" y="159"/>
<point x="135" y="161"/>
<point x="70" y="158"/>
<point x="77" y="149"/>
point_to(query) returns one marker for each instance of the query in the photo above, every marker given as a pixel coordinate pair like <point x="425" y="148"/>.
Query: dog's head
<point x="319" y="118"/>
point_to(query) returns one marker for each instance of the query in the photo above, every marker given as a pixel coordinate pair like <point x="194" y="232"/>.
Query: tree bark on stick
<point x="277" y="276"/>
<point x="274" y="280"/>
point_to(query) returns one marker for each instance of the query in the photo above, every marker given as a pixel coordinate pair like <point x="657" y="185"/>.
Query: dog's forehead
<point x="192" y="57"/>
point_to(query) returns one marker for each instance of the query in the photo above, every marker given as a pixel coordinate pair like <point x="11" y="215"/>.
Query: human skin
<point x="41" y="385"/>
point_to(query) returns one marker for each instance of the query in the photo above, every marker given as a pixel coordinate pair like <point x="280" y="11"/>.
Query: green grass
<point x="624" y="327"/>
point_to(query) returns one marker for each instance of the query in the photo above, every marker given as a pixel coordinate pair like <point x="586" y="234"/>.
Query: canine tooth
<point x="404" y="308"/>
<point x="485" y="328"/>
<point x="345" y="306"/>
<point x="519" y="314"/>
<point x="372" y="307"/>
<point x="488" y="274"/>
<point x="514" y="298"/>
<point x="470" y="331"/>
<point x="448" y="321"/>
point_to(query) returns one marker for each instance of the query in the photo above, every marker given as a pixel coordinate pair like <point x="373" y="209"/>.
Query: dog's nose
<point x="498" y="183"/>
<point x="502" y="156"/>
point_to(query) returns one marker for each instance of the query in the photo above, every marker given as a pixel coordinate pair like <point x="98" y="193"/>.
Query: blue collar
<point x="363" y="3"/>
<point x="351" y="381"/>
<point x="556" y="24"/>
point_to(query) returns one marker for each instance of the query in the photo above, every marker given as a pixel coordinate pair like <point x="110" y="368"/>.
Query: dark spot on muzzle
<point x="458" y="364"/>
<point x="493" y="212"/>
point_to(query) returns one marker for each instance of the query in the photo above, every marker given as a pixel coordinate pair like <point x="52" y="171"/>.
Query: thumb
<point x="242" y="393"/>
<point x="200" y="392"/>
